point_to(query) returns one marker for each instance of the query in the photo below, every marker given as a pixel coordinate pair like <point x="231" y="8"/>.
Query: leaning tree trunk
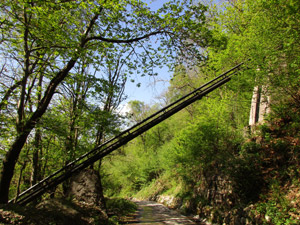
<point x="9" y="165"/>
<point x="15" y="149"/>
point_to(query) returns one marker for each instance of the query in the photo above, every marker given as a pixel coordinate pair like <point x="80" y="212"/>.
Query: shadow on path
<point x="155" y="213"/>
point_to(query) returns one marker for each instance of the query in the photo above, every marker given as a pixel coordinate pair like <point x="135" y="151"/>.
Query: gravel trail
<point x="154" y="213"/>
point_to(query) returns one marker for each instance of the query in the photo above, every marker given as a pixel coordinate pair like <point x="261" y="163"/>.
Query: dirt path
<point x="155" y="213"/>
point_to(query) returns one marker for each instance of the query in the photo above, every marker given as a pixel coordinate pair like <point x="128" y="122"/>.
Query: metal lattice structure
<point x="124" y="137"/>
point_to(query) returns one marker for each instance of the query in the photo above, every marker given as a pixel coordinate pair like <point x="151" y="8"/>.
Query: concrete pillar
<point x="260" y="105"/>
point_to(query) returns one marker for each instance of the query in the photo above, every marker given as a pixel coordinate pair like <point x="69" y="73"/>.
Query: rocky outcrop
<point x="86" y="187"/>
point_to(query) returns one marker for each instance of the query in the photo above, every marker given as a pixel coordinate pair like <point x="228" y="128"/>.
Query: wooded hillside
<point x="63" y="69"/>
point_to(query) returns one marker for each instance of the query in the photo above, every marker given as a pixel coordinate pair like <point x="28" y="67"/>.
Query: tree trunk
<point x="20" y="176"/>
<point x="9" y="165"/>
<point x="36" y="169"/>
<point x="14" y="152"/>
<point x="19" y="180"/>
<point x="101" y="193"/>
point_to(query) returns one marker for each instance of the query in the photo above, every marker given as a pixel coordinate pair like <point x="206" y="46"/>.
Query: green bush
<point x="246" y="172"/>
<point x="120" y="206"/>
<point x="276" y="209"/>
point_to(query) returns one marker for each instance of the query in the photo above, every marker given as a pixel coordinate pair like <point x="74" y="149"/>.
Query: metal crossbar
<point x="124" y="137"/>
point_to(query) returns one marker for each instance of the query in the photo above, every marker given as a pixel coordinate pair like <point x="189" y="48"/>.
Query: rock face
<point x="86" y="187"/>
<point x="170" y="201"/>
<point x="213" y="199"/>
<point x="216" y="196"/>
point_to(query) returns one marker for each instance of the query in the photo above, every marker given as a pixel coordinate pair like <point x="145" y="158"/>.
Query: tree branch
<point x="8" y="93"/>
<point x="120" y="41"/>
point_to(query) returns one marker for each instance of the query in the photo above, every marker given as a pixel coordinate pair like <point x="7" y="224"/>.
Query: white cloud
<point x="124" y="109"/>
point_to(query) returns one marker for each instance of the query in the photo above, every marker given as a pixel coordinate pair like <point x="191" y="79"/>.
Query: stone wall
<point x="213" y="200"/>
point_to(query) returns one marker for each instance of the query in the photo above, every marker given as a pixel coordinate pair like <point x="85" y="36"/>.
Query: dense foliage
<point x="63" y="70"/>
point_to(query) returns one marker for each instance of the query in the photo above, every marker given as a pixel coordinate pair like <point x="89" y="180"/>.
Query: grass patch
<point x="121" y="210"/>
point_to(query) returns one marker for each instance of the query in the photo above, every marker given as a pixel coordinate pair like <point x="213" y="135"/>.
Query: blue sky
<point x="152" y="87"/>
